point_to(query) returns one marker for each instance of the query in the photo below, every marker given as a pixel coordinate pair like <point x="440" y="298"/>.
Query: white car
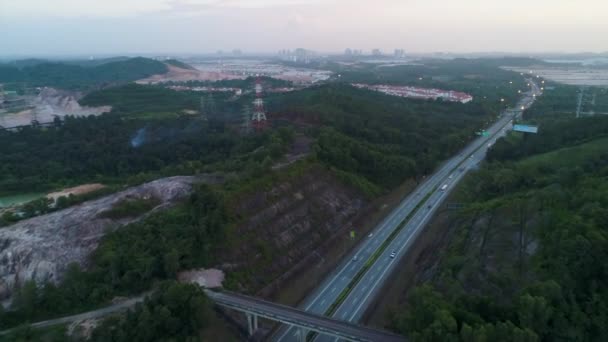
<point x="355" y="258"/>
<point x="370" y="235"/>
<point x="393" y="253"/>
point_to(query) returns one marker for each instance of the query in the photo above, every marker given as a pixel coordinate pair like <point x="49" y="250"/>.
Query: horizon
<point x="273" y="54"/>
<point x="187" y="27"/>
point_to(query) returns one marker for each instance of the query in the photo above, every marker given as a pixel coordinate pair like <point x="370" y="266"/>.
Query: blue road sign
<point x="525" y="128"/>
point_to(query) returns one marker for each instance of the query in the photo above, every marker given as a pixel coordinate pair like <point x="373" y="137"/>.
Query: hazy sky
<point x="51" y="27"/>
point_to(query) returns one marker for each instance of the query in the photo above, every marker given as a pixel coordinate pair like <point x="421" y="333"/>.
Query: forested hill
<point x="527" y="260"/>
<point x="179" y="64"/>
<point x="384" y="139"/>
<point x="71" y="76"/>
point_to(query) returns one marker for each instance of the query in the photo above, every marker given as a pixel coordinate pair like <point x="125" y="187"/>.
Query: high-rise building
<point x="376" y="52"/>
<point x="399" y="53"/>
<point x="348" y="52"/>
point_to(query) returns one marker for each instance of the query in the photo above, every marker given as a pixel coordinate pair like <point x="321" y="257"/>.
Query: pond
<point x="8" y="201"/>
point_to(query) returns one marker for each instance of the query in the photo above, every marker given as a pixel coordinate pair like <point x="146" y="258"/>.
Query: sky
<point x="94" y="27"/>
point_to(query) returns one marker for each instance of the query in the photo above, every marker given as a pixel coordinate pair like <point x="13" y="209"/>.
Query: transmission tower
<point x="258" y="118"/>
<point x="203" y="109"/>
<point x="246" y="124"/>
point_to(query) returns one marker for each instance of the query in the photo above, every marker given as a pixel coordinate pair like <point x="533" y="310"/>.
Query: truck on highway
<point x="445" y="186"/>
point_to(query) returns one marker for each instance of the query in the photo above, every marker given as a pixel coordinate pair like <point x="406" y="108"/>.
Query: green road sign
<point x="352" y="234"/>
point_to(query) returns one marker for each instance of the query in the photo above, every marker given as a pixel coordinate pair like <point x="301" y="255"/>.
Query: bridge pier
<point x="252" y="323"/>
<point x="302" y="333"/>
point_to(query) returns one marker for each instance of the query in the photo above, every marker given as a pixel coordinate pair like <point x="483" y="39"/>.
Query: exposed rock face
<point x="285" y="224"/>
<point x="210" y="278"/>
<point x="50" y="103"/>
<point x="42" y="247"/>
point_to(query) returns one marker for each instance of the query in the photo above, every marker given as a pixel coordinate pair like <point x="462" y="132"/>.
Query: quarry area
<point x="216" y="70"/>
<point x="48" y="103"/>
<point x="42" y="247"/>
<point x="176" y="74"/>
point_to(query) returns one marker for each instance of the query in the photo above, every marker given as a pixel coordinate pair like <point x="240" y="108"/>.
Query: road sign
<point x="352" y="234"/>
<point x="525" y="128"/>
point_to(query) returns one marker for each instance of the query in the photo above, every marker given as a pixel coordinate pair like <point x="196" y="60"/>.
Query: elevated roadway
<point x="303" y="322"/>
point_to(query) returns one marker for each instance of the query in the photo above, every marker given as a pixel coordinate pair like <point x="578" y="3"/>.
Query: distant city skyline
<point x="108" y="27"/>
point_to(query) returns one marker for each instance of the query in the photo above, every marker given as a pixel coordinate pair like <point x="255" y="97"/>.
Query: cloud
<point x="251" y="3"/>
<point x="81" y="8"/>
<point x="130" y="8"/>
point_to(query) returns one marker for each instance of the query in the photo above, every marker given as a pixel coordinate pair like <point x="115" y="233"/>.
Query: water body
<point x="8" y="201"/>
<point x="583" y="61"/>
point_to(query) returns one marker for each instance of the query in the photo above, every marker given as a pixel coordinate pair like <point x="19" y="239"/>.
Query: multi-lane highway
<point x="430" y="192"/>
<point x="364" y="292"/>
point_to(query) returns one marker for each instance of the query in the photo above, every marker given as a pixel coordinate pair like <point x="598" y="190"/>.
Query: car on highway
<point x="451" y="176"/>
<point x="370" y="235"/>
<point x="393" y="253"/>
<point x="355" y="258"/>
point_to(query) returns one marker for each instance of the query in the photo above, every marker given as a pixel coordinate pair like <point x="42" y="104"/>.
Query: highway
<point x="371" y="281"/>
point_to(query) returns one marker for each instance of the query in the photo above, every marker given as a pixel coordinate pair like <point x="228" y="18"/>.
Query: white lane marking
<point x="382" y="275"/>
<point x="382" y="227"/>
<point x="323" y="302"/>
<point x="333" y="290"/>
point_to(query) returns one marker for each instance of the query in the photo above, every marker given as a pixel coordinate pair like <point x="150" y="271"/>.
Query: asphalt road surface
<point x="363" y="294"/>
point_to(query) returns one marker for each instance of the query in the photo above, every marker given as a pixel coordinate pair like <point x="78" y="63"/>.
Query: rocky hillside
<point x="47" y="105"/>
<point x="41" y="248"/>
<point x="281" y="226"/>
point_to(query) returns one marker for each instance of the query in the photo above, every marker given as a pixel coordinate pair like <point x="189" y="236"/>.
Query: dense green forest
<point x="174" y="312"/>
<point x="177" y="312"/>
<point x="369" y="140"/>
<point x="376" y="138"/>
<point x="380" y="139"/>
<point x="134" y="98"/>
<point x="146" y="101"/>
<point x="75" y="76"/>
<point x="110" y="149"/>
<point x="526" y="257"/>
<point x="179" y="64"/>
<point x="245" y="84"/>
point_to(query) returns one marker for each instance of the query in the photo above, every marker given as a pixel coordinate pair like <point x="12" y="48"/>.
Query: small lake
<point x="7" y="201"/>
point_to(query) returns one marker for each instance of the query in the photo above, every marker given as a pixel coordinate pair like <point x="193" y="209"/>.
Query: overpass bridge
<point x="303" y="321"/>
